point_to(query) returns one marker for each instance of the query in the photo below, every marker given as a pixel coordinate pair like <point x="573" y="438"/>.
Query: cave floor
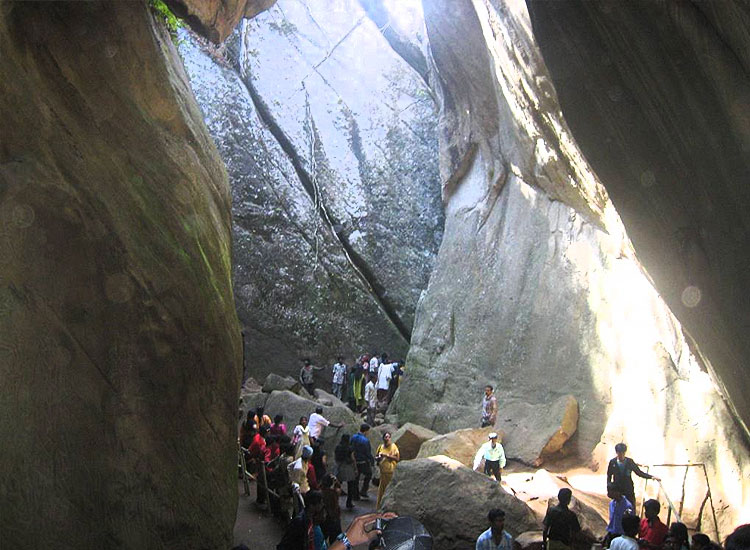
<point x="260" y="531"/>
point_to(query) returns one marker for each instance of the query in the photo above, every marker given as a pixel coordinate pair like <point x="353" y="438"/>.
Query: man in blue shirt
<point x="495" y="538"/>
<point x="618" y="507"/>
<point x="365" y="461"/>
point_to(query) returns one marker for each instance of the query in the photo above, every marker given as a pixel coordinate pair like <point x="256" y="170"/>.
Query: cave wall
<point x="657" y="94"/>
<point x="120" y="351"/>
<point x="537" y="288"/>
<point x="329" y="138"/>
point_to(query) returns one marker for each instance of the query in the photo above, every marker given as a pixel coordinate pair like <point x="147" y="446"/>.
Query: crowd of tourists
<point x="295" y="478"/>
<point x="367" y="385"/>
<point x="302" y="487"/>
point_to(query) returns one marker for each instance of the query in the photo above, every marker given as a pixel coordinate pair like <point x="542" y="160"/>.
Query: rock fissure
<point x="359" y="266"/>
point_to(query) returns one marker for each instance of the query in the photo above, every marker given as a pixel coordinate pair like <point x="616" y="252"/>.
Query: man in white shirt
<point x="385" y="373"/>
<point x="317" y="422"/>
<point x="374" y="363"/>
<point x="627" y="540"/>
<point x="494" y="457"/>
<point x="339" y="377"/>
<point x="371" y="398"/>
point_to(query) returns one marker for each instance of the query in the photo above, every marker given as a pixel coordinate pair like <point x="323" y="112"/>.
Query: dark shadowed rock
<point x="275" y="382"/>
<point x="121" y="351"/>
<point x="409" y="439"/>
<point x="216" y="19"/>
<point x="530" y="540"/>
<point x="452" y="501"/>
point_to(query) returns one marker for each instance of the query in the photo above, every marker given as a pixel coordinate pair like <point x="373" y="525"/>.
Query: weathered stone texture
<point x="537" y="289"/>
<point x="452" y="502"/>
<point x="120" y="350"/>
<point x="336" y="197"/>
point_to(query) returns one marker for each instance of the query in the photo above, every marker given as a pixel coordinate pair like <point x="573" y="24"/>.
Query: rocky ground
<point x="257" y="529"/>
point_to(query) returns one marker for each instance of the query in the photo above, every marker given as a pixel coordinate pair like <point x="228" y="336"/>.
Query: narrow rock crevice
<point x="360" y="267"/>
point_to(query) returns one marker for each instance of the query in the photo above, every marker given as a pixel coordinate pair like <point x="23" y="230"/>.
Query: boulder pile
<point x="452" y="501"/>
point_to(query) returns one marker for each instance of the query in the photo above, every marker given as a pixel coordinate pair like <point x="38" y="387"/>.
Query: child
<point x="627" y="541"/>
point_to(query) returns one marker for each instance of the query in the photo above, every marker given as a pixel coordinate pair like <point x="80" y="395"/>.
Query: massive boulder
<point x="336" y="196"/>
<point x="452" y="501"/>
<point x="120" y="351"/>
<point x="460" y="445"/>
<point x="538" y="290"/>
<point x="409" y="439"/>
<point x="537" y="432"/>
<point x="216" y="19"/>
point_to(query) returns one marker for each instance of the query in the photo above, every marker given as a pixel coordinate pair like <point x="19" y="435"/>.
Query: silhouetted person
<point x="560" y="524"/>
<point x="739" y="539"/>
<point x="619" y="470"/>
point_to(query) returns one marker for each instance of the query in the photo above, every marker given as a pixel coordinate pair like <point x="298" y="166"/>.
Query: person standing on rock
<point x="300" y="436"/>
<point x="494" y="457"/>
<point x="496" y="537"/>
<point x="387" y="456"/>
<point x="356" y="394"/>
<point x="560" y="524"/>
<point x="364" y="459"/>
<point x="385" y="373"/>
<point x="371" y="399"/>
<point x="489" y="407"/>
<point x="339" y="377"/>
<point x="306" y="376"/>
<point x="619" y="470"/>
<point x="619" y="506"/>
<point x="318" y="422"/>
<point x="374" y="363"/>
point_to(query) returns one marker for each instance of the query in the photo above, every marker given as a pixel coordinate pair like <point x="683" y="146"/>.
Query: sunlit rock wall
<point x="330" y="143"/>
<point x="120" y="350"/>
<point x="537" y="289"/>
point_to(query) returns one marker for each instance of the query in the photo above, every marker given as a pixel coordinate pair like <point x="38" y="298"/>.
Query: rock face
<point x="409" y="439"/>
<point x="460" y="445"/>
<point x="336" y="204"/>
<point x="537" y="289"/>
<point x="535" y="432"/>
<point x="120" y="351"/>
<point x="452" y="502"/>
<point x="274" y="382"/>
<point x="216" y="19"/>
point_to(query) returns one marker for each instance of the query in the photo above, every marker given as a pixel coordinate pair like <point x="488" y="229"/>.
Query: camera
<point x="380" y="524"/>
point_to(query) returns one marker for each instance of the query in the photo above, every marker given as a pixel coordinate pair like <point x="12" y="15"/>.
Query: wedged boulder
<point x="452" y="501"/>
<point x="460" y="445"/>
<point x="293" y="406"/>
<point x="409" y="439"/>
<point x="534" y="432"/>
<point x="329" y="399"/>
<point x="530" y="540"/>
<point x="216" y="19"/>
<point x="252" y="401"/>
<point x="275" y="382"/>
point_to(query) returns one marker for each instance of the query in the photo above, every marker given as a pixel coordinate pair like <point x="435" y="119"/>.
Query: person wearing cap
<point x="494" y="457"/>
<point x="298" y="469"/>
